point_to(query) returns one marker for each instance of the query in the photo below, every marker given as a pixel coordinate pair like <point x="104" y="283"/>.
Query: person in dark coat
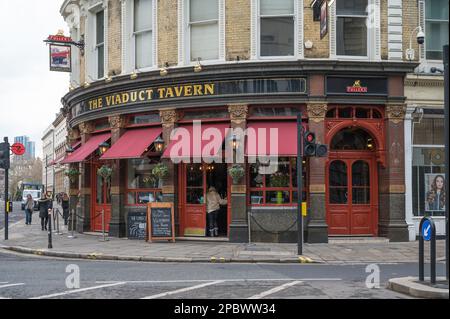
<point x="65" y="207"/>
<point x="45" y="203"/>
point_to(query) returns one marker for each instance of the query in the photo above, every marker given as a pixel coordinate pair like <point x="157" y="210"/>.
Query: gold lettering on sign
<point x="144" y="95"/>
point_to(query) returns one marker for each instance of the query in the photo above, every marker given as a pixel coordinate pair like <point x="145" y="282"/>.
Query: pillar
<point x="169" y="118"/>
<point x="392" y="219"/>
<point x="74" y="190"/>
<point x="85" y="190"/>
<point x="317" y="228"/>
<point x="239" y="220"/>
<point x="117" y="225"/>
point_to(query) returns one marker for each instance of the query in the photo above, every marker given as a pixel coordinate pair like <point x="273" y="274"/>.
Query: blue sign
<point x="426" y="230"/>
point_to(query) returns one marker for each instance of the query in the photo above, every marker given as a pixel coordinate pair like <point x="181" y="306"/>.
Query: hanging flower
<point x="105" y="172"/>
<point x="236" y="172"/>
<point x="160" y="170"/>
<point x="72" y="174"/>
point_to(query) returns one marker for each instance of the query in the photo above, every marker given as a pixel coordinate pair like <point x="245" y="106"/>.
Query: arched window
<point x="352" y="139"/>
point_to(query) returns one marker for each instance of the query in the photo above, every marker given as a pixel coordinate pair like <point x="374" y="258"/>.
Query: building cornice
<point x="416" y="80"/>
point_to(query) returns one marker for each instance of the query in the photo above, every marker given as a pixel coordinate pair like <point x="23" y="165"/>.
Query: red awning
<point x="87" y="149"/>
<point x="265" y="137"/>
<point x="203" y="143"/>
<point x="133" y="143"/>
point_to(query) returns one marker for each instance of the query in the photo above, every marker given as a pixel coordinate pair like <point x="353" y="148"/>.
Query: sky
<point x="30" y="95"/>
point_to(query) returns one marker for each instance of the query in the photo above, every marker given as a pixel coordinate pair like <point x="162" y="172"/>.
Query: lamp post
<point x="299" y="183"/>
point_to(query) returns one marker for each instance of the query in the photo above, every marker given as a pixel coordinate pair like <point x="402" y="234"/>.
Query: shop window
<point x="142" y="186"/>
<point x="352" y="139"/>
<point x="279" y="188"/>
<point x="351" y="24"/>
<point x="429" y="131"/>
<point x="204" y="29"/>
<point x="436" y="28"/>
<point x="277" y="31"/>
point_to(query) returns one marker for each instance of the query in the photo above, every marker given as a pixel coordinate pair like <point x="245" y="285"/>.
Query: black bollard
<point x="50" y="245"/>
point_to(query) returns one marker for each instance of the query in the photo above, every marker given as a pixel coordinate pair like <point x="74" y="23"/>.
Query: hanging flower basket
<point x="105" y="172"/>
<point x="160" y="171"/>
<point x="72" y="174"/>
<point x="236" y="172"/>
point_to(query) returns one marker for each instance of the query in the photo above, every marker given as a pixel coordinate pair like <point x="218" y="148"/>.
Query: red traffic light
<point x="310" y="137"/>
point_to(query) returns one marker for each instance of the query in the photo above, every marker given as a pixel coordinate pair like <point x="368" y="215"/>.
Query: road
<point x="44" y="278"/>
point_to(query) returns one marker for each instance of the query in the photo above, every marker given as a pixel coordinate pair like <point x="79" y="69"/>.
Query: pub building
<point x="127" y="107"/>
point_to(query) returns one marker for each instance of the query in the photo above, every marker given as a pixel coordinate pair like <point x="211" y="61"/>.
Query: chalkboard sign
<point x="161" y="223"/>
<point x="137" y="225"/>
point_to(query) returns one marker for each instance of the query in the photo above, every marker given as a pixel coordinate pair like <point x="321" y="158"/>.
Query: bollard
<point x="50" y="245"/>
<point x="72" y="221"/>
<point x="427" y="233"/>
<point x="103" y="226"/>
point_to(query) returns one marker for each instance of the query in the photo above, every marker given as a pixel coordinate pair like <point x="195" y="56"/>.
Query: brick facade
<point x="237" y="29"/>
<point x="167" y="32"/>
<point x="114" y="37"/>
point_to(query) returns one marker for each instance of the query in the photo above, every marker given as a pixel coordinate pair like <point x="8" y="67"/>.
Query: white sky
<point x="30" y="95"/>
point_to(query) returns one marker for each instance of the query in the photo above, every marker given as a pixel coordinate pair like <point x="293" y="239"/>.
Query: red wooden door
<point x="352" y="197"/>
<point x="101" y="201"/>
<point x="193" y="199"/>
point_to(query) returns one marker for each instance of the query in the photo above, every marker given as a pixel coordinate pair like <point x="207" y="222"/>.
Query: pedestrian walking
<point x="45" y="203"/>
<point x="65" y="207"/>
<point x="213" y="202"/>
<point x="29" y="207"/>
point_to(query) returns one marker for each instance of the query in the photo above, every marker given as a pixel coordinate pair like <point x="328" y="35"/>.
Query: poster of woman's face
<point x="435" y="196"/>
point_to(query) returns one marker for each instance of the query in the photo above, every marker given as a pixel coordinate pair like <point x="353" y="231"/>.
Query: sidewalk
<point x="31" y="240"/>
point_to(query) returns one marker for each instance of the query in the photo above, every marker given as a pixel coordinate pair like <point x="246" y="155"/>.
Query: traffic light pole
<point x="446" y="126"/>
<point x="300" y="182"/>
<point x="6" y="196"/>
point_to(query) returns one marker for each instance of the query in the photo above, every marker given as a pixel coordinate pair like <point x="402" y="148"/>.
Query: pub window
<point x="362" y="113"/>
<point x="352" y="139"/>
<point x="145" y="119"/>
<point x="142" y="186"/>
<point x="143" y="33"/>
<point x="436" y="28"/>
<point x="277" y="189"/>
<point x="331" y="114"/>
<point x="277" y="28"/>
<point x="345" y="113"/>
<point x="430" y="131"/>
<point x="376" y="114"/>
<point x="351" y="27"/>
<point x="274" y="111"/>
<point x="353" y="113"/>
<point x="203" y="23"/>
<point x="100" y="43"/>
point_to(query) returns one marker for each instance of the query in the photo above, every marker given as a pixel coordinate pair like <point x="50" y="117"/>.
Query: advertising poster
<point x="435" y="195"/>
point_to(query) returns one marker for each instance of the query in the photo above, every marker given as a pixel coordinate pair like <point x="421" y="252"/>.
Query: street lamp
<point x="103" y="148"/>
<point x="159" y="144"/>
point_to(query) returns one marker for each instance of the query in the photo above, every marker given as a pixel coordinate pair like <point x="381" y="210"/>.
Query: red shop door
<point x="101" y="201"/>
<point x="352" y="195"/>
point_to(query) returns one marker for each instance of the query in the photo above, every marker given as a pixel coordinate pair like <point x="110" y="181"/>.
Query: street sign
<point x="18" y="149"/>
<point x="426" y="230"/>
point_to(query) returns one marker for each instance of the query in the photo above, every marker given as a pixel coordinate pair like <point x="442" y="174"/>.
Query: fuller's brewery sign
<point x="341" y="85"/>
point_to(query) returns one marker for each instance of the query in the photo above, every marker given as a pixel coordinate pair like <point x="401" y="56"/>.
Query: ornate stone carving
<point x="73" y="134"/>
<point x="396" y="112"/>
<point x="317" y="111"/>
<point x="168" y="117"/>
<point x="117" y="121"/>
<point x="86" y="127"/>
<point x="238" y="112"/>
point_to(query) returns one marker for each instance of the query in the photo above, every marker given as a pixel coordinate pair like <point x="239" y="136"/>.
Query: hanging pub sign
<point x="323" y="19"/>
<point x="61" y="51"/>
<point x="60" y="58"/>
<point x="340" y="85"/>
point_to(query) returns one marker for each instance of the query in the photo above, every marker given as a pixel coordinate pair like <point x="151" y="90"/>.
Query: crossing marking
<point x="11" y="285"/>
<point x="275" y="290"/>
<point x="79" y="290"/>
<point x="165" y="294"/>
<point x="223" y="280"/>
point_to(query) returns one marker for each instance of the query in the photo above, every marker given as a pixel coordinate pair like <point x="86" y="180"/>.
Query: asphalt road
<point x="23" y="277"/>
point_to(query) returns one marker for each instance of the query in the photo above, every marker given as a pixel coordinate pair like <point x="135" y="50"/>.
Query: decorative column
<point x="408" y="172"/>
<point x="169" y="118"/>
<point x="316" y="225"/>
<point x="392" y="219"/>
<point x="85" y="187"/>
<point x="239" y="219"/>
<point x="74" y="191"/>
<point x="117" y="225"/>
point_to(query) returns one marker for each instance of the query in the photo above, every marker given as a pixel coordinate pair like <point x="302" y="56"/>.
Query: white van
<point x="35" y="194"/>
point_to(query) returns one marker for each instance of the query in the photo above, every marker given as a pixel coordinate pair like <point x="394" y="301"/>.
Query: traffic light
<point x="4" y="155"/>
<point x="321" y="150"/>
<point x="309" y="144"/>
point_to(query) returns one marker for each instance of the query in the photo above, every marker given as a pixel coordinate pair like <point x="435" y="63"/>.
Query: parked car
<point x="35" y="194"/>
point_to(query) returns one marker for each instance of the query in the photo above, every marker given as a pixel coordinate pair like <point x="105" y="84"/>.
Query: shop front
<point x="356" y="190"/>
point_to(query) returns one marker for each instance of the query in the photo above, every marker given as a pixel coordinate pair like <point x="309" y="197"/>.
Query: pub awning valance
<point x="87" y="149"/>
<point x="270" y="137"/>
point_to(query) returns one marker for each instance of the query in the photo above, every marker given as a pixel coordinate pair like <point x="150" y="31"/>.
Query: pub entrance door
<point x="101" y="200"/>
<point x="195" y="180"/>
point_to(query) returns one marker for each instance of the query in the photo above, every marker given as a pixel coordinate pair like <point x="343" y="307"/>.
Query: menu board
<point x="137" y="225"/>
<point x="161" y="224"/>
